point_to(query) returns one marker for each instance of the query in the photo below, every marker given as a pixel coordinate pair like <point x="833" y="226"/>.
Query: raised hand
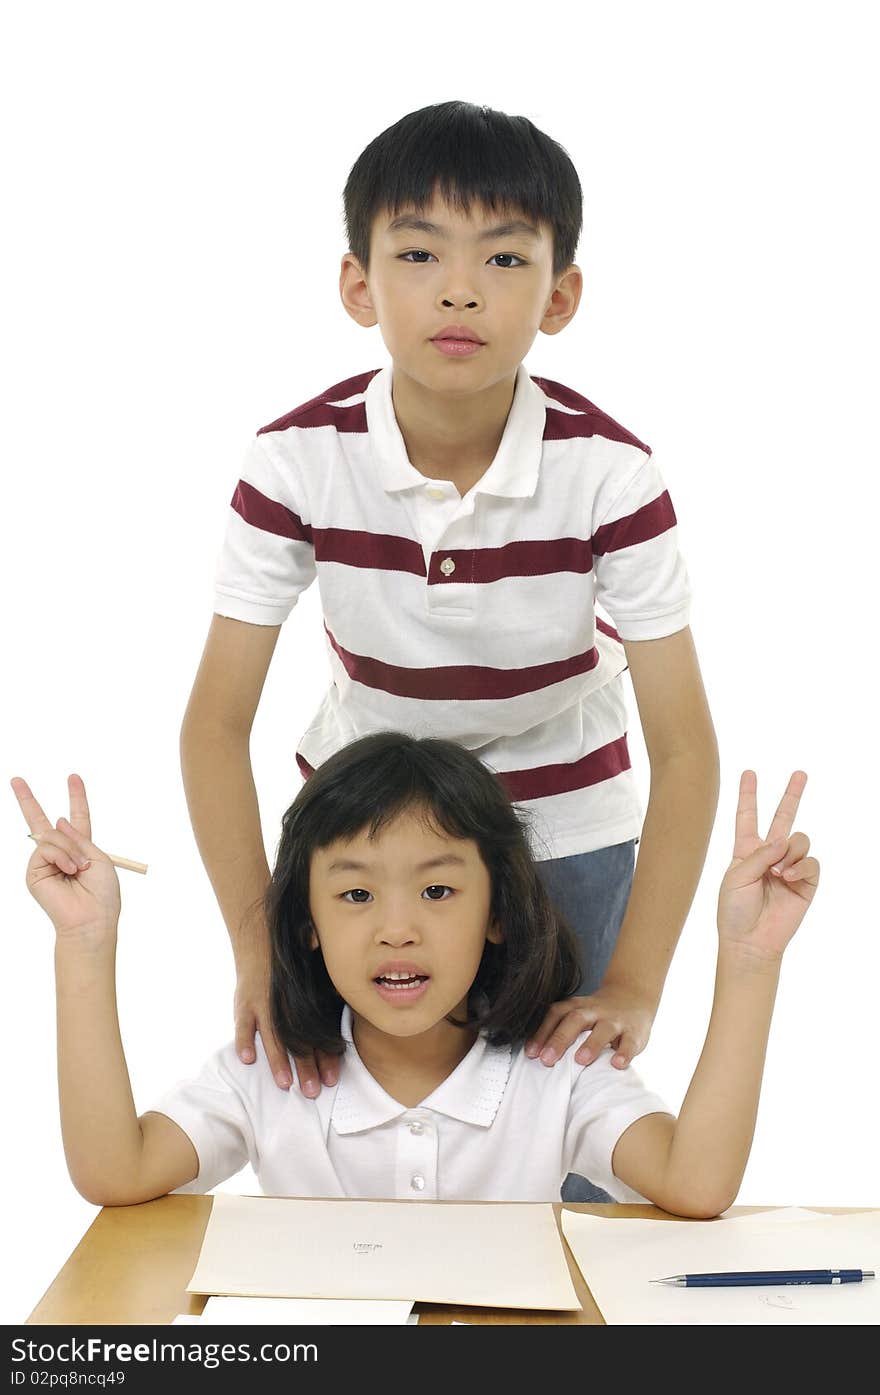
<point x="74" y="882"/>
<point x="770" y="881"/>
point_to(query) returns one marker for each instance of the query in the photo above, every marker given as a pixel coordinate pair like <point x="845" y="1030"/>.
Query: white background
<point x="172" y="250"/>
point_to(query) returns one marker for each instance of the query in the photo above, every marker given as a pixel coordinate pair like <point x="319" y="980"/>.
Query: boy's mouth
<point x="457" y="348"/>
<point x="459" y="333"/>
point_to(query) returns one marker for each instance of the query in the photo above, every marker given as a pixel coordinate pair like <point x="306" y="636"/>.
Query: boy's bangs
<point x="468" y="192"/>
<point x="474" y="156"/>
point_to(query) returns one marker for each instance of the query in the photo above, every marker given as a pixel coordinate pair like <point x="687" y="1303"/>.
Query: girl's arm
<point x="114" y="1158"/>
<point x="694" y="1165"/>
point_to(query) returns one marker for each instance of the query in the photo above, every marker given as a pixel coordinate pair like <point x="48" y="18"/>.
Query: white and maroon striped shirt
<point x="469" y="618"/>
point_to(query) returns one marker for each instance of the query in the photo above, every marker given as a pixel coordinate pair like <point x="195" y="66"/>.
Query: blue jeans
<point x="591" y="890"/>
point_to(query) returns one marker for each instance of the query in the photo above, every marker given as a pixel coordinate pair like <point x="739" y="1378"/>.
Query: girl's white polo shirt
<point x="501" y="1127"/>
<point x="471" y="618"/>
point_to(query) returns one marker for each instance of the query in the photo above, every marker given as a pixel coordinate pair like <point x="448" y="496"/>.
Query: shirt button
<point x="416" y="1126"/>
<point x="417" y="1182"/>
<point x="434" y="493"/>
<point x="447" y="566"/>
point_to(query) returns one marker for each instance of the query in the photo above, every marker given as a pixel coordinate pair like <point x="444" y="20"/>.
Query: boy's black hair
<point x="475" y="154"/>
<point x="361" y="789"/>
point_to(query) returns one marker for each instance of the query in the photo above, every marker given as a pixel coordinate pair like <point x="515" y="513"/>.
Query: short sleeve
<point x="267" y="558"/>
<point x="641" y="579"/>
<point x="213" y="1112"/>
<point x="603" y="1103"/>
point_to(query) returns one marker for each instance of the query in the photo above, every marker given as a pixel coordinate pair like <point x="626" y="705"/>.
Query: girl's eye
<point x="437" y="893"/>
<point x="357" y="896"/>
<point x="404" y="256"/>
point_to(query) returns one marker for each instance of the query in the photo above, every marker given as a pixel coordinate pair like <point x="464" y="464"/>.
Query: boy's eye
<point x="357" y="896"/>
<point x="437" y="893"/>
<point x="420" y="252"/>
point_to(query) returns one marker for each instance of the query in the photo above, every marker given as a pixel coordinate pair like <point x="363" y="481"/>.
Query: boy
<point x="463" y="517"/>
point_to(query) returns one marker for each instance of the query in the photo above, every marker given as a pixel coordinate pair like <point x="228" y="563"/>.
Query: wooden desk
<point x="134" y="1262"/>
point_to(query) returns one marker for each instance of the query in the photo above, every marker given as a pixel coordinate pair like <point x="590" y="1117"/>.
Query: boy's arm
<point x="113" y="1157"/>
<point x="695" y="1164"/>
<point x="222" y="801"/>
<point x="683" y="754"/>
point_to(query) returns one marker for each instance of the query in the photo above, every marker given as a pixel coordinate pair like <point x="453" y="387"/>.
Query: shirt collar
<point x="472" y="1093"/>
<point x="514" y="470"/>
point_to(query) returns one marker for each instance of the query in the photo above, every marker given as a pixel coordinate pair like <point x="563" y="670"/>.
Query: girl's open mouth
<point x="401" y="988"/>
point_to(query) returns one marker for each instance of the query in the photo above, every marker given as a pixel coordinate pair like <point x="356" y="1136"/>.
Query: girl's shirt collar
<point x="472" y="1093"/>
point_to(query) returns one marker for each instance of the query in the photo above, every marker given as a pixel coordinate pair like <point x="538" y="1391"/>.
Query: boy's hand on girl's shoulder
<point x="72" y="879"/>
<point x="315" y="1070"/>
<point x="253" y="1014"/>
<point x="619" y="1016"/>
<point x="251" y="1008"/>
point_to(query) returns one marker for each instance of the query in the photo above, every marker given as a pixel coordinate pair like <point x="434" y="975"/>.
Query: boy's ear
<point x="355" y="292"/>
<point x="494" y="933"/>
<point x="564" y="301"/>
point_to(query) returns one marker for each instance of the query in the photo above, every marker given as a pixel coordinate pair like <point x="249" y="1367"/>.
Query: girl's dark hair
<point x="473" y="153"/>
<point x="361" y="789"/>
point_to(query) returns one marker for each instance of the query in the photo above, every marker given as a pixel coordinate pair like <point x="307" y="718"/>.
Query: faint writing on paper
<point x="777" y="1300"/>
<point x="366" y="1247"/>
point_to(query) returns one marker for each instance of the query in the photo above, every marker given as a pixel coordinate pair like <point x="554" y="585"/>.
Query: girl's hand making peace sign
<point x="74" y="882"/>
<point x="771" y="881"/>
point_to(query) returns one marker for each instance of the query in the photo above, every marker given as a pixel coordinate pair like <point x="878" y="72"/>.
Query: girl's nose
<point x="398" y="930"/>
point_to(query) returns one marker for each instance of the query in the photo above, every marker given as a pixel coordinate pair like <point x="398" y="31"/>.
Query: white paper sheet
<point x="359" y="1312"/>
<point x="497" y="1255"/>
<point x="618" y="1258"/>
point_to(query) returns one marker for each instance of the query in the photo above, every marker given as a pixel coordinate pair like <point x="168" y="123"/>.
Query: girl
<point x="412" y="937"/>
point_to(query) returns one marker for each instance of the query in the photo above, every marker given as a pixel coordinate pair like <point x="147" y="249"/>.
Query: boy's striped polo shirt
<point x="469" y="618"/>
